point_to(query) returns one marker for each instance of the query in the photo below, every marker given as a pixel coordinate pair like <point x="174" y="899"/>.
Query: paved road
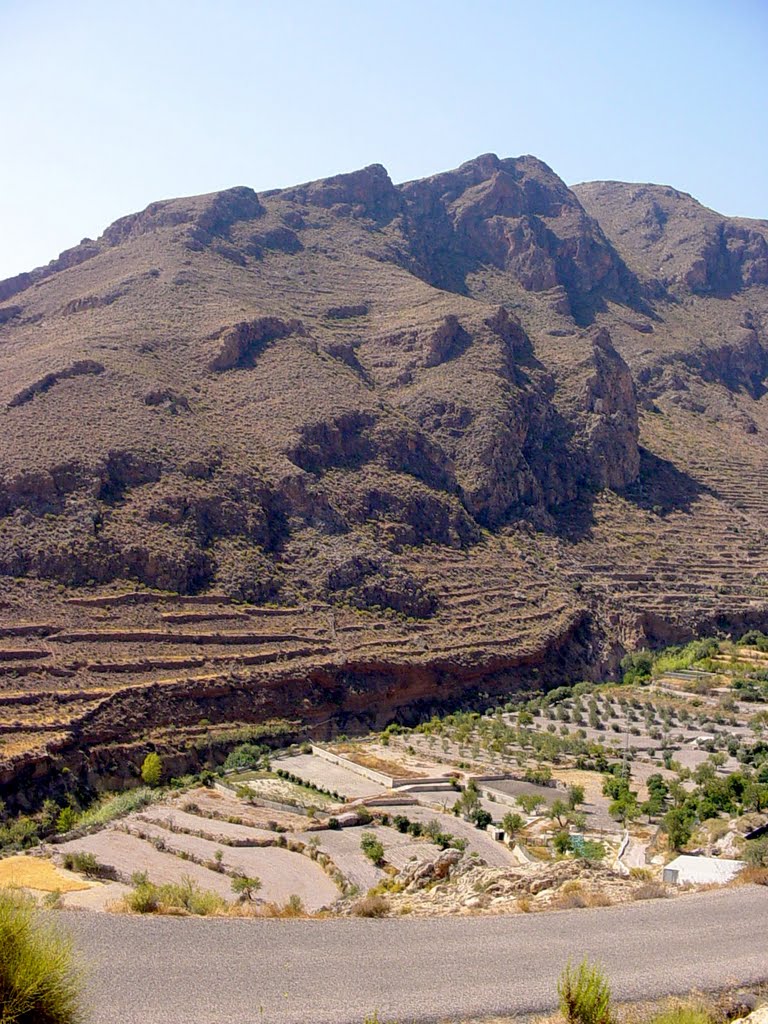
<point x="234" y="971"/>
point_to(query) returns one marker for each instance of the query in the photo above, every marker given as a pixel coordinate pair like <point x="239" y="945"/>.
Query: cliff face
<point x="475" y="408"/>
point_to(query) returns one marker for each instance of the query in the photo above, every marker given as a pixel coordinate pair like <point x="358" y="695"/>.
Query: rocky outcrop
<point x="210" y="215"/>
<point x="611" y="432"/>
<point x="241" y="344"/>
<point x="81" y="368"/>
<point x="365" y="193"/>
<point x="518" y="216"/>
<point x="374" y="582"/>
<point x="674" y="243"/>
<point x="346" y="312"/>
<point x="446" y="342"/>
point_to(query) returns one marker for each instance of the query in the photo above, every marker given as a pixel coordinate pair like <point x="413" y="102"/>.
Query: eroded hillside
<point x="462" y="432"/>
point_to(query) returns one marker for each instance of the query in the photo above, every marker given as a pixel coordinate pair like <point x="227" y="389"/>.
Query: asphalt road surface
<point x="169" y="970"/>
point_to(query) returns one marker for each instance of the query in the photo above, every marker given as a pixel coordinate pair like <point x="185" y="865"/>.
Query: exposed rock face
<point x="78" y="369"/>
<point x="677" y="244"/>
<point x="241" y="344"/>
<point x="519" y="217"/>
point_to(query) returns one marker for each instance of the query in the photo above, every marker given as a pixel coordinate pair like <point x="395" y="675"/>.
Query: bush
<point x="66" y="820"/>
<point x="247" y="755"/>
<point x="585" y="995"/>
<point x="148" y="898"/>
<point x="653" y="890"/>
<point x="245" y="887"/>
<point x="372" y="848"/>
<point x="111" y="807"/>
<point x="562" y="842"/>
<point x="38" y="977"/>
<point x="152" y="770"/>
<point x="87" y="864"/>
<point x="756" y="852"/>
<point x="636" y="666"/>
<point x="145" y="899"/>
<point x="293" y="907"/>
<point x="591" y="850"/>
<point x="371" y="906"/>
<point x="512" y="823"/>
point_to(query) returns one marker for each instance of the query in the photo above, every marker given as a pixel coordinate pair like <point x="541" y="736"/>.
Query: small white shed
<point x="686" y="870"/>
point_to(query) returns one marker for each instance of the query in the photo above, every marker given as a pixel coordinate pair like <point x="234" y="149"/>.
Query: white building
<point x="686" y="870"/>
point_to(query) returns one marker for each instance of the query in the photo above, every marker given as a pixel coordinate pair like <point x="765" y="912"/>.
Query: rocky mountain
<point x="452" y="433"/>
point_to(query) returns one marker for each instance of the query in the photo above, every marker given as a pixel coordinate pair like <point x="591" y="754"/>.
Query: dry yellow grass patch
<point x="36" y="873"/>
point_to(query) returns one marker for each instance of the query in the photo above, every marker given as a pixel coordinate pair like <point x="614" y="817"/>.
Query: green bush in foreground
<point x="39" y="981"/>
<point x="585" y="995"/>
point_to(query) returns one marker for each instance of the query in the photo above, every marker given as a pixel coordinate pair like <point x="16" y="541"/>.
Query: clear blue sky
<point x="110" y="104"/>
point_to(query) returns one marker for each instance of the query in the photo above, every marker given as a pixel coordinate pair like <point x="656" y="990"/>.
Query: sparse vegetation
<point x="186" y="895"/>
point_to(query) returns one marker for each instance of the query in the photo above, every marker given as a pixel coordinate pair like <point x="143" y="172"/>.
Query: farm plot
<point x="515" y="788"/>
<point x="283" y="791"/>
<point x="128" y="854"/>
<point x="216" y="830"/>
<point x="343" y="847"/>
<point x="225" y="805"/>
<point x="28" y="872"/>
<point x="282" y="873"/>
<point x="319" y="772"/>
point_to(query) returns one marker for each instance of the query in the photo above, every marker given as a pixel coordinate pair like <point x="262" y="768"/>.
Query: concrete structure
<point x="686" y="870"/>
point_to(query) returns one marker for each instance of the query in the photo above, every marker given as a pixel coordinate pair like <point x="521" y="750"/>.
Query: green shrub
<point x="111" y="807"/>
<point x="87" y="864"/>
<point x="512" y="823"/>
<point x="247" y="755"/>
<point x="144" y="899"/>
<point x="482" y="819"/>
<point x="148" y="898"/>
<point x="245" y="887"/>
<point x="562" y="842"/>
<point x="152" y="770"/>
<point x="293" y="907"/>
<point x="39" y="980"/>
<point x="591" y="850"/>
<point x="372" y="848"/>
<point x="756" y="852"/>
<point x="688" y="1012"/>
<point x="585" y="995"/>
<point x="636" y="666"/>
<point x="66" y="820"/>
